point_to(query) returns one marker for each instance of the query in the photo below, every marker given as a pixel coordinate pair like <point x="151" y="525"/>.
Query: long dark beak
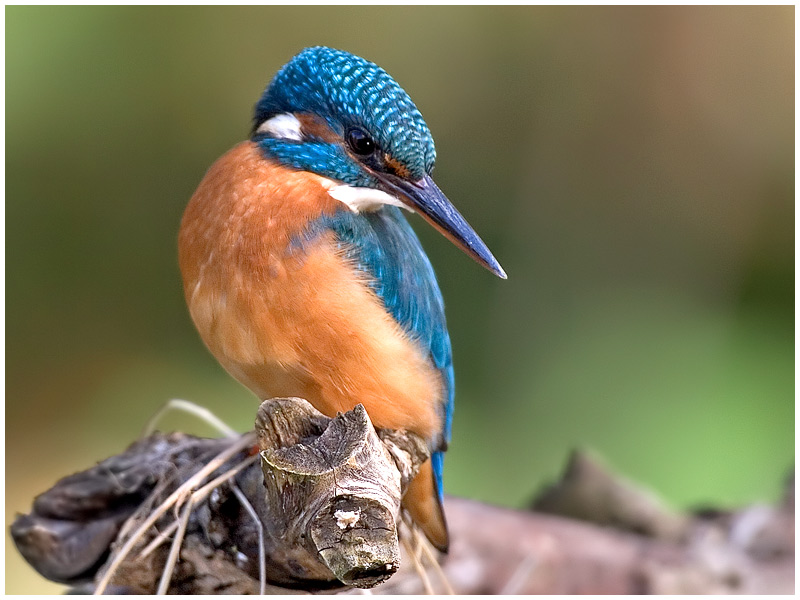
<point x="427" y="199"/>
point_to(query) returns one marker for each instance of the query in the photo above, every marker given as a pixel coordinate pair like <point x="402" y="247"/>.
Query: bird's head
<point x="344" y="118"/>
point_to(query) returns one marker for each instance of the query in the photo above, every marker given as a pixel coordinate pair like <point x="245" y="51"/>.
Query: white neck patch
<point x="358" y="199"/>
<point x="284" y="127"/>
<point x="361" y="199"/>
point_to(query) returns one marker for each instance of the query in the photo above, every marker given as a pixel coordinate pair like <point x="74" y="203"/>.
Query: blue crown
<point x="348" y="91"/>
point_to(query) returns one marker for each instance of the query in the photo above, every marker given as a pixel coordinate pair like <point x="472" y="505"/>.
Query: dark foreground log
<point x="318" y="511"/>
<point x="328" y="515"/>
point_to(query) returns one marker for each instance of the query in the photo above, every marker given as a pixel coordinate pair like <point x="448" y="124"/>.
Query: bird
<point x="302" y="274"/>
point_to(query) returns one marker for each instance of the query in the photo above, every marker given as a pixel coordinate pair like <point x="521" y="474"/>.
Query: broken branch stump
<point x="333" y="490"/>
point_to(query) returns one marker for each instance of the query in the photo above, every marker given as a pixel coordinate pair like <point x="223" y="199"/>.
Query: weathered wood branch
<point x="330" y="509"/>
<point x="333" y="491"/>
<point x="322" y="511"/>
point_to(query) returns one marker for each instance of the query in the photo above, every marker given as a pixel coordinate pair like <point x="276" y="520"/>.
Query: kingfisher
<point x="301" y="272"/>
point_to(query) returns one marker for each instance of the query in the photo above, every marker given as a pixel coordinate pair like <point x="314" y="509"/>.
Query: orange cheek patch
<point x="313" y="126"/>
<point x="395" y="165"/>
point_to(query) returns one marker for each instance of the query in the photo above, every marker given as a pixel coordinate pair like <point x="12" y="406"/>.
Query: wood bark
<point x="326" y="497"/>
<point x="333" y="491"/>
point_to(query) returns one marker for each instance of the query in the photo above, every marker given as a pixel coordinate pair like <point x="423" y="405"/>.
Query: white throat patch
<point x="284" y="127"/>
<point x="360" y="199"/>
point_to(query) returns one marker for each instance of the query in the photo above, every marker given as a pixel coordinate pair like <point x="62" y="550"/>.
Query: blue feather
<point x="348" y="91"/>
<point x="383" y="245"/>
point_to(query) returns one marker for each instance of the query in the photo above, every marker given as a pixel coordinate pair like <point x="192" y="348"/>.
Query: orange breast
<point x="295" y="322"/>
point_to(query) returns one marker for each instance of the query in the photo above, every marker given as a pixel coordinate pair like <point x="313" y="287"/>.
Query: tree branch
<point x="329" y="513"/>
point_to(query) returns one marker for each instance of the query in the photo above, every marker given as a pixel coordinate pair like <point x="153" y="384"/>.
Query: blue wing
<point x="383" y="245"/>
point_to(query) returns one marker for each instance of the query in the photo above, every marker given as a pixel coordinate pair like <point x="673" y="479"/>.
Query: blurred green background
<point x="631" y="168"/>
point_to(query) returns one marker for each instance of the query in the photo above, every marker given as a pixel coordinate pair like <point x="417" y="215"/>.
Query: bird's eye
<point x="360" y="142"/>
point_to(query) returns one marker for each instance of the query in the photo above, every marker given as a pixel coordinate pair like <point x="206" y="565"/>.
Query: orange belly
<point x="300" y="322"/>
